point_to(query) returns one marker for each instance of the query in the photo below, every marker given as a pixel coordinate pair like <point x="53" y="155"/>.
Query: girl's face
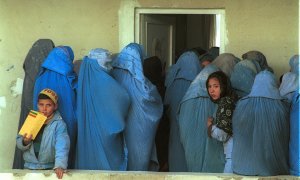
<point x="214" y="89"/>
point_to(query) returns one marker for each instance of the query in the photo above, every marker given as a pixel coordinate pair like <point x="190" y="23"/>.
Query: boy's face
<point x="214" y="88"/>
<point x="46" y="106"/>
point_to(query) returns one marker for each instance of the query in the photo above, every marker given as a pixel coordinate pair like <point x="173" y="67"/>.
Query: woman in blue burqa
<point x="145" y="110"/>
<point x="294" y="145"/>
<point x="261" y="130"/>
<point x="203" y="154"/>
<point x="153" y="71"/>
<point x="290" y="89"/>
<point x="243" y="75"/>
<point x="258" y="57"/>
<point x="178" y="80"/>
<point x="57" y="74"/>
<point x="32" y="64"/>
<point x="102" y="107"/>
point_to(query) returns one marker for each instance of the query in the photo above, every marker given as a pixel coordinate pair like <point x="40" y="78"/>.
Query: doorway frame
<point x="138" y="11"/>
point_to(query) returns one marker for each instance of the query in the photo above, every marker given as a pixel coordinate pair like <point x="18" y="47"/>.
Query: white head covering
<point x="102" y="56"/>
<point x="290" y="83"/>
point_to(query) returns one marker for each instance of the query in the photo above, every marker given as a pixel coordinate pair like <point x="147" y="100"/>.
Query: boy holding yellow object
<point x="50" y="148"/>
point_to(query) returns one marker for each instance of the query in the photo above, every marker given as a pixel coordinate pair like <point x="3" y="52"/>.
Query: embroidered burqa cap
<point x="51" y="94"/>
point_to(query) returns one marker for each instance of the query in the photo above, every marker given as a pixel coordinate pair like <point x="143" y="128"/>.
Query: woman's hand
<point x="209" y="121"/>
<point x="59" y="172"/>
<point x="209" y="126"/>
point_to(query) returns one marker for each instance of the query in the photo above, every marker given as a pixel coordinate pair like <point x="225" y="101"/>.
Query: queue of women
<point x="122" y="114"/>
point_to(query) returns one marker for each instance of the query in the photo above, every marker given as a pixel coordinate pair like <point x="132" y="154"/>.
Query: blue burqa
<point x="261" y="130"/>
<point x="243" y="75"/>
<point x="145" y="110"/>
<point x="226" y="63"/>
<point x="288" y="86"/>
<point x="294" y="64"/>
<point x="259" y="57"/>
<point x="294" y="145"/>
<point x="57" y="74"/>
<point x="202" y="154"/>
<point x="102" y="109"/>
<point x="177" y="82"/>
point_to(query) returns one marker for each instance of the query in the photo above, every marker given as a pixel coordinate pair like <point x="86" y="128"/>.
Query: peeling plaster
<point x="16" y="87"/>
<point x="2" y="103"/>
<point x="126" y="22"/>
<point x="10" y="68"/>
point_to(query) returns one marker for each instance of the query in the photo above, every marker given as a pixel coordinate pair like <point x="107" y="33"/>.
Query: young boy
<point x="50" y="148"/>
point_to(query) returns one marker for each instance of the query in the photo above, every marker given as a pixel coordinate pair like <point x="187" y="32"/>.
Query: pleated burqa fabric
<point x="102" y="107"/>
<point x="178" y="80"/>
<point x="145" y="110"/>
<point x="202" y="154"/>
<point x="32" y="64"/>
<point x="243" y="75"/>
<point x="226" y="63"/>
<point x="294" y="144"/>
<point x="261" y="130"/>
<point x="57" y="74"/>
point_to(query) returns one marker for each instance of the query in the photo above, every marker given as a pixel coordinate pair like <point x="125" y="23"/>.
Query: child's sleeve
<point x="219" y="134"/>
<point x="20" y="144"/>
<point x="62" y="146"/>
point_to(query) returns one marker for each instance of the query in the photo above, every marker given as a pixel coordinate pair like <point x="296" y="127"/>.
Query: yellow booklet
<point x="33" y="124"/>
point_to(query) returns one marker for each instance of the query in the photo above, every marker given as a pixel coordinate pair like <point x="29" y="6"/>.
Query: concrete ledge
<point x="126" y="175"/>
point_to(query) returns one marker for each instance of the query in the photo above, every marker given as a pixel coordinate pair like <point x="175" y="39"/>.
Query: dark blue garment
<point x="177" y="82"/>
<point x="261" y="130"/>
<point x="203" y="154"/>
<point x="57" y="74"/>
<point x="102" y="109"/>
<point x="32" y="64"/>
<point x="294" y="145"/>
<point x="145" y="110"/>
